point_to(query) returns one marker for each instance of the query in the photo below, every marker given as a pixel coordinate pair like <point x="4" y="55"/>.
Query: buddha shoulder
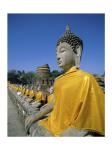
<point x="80" y="74"/>
<point x="85" y="75"/>
<point x="58" y="77"/>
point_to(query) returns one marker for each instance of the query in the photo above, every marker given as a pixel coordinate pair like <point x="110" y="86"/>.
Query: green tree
<point x="13" y="76"/>
<point x="55" y="73"/>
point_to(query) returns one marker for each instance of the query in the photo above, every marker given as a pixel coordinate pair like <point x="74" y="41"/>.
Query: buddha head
<point x="39" y="87"/>
<point x="51" y="90"/>
<point x="69" y="50"/>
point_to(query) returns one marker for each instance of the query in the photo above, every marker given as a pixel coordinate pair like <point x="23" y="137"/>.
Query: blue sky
<point x="32" y="40"/>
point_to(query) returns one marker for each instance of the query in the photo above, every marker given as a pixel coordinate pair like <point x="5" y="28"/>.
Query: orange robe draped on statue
<point x="79" y="103"/>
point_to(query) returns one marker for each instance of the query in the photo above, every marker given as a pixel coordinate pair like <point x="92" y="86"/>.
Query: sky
<point x="32" y="40"/>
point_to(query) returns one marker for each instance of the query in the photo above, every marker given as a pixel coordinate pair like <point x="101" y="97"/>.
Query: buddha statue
<point x="51" y="96"/>
<point x="78" y="105"/>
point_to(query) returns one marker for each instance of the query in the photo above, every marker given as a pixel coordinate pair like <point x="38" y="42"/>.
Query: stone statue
<point x="78" y="106"/>
<point x="51" y="96"/>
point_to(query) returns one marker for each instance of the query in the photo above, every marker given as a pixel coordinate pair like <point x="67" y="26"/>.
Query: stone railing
<point x="26" y="105"/>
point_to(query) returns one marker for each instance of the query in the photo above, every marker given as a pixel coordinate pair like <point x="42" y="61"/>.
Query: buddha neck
<point x="68" y="68"/>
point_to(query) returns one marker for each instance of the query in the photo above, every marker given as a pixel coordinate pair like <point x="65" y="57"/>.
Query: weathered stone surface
<point x="101" y="81"/>
<point x="15" y="125"/>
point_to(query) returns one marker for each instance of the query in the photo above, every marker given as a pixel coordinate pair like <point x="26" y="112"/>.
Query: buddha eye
<point x="62" y="50"/>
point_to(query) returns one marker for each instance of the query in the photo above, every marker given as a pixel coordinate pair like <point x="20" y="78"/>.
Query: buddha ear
<point x="78" y="50"/>
<point x="78" y="55"/>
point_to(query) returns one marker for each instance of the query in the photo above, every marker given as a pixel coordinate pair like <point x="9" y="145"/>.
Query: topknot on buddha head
<point x="71" y="39"/>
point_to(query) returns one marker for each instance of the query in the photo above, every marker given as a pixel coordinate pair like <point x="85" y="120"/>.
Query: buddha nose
<point x="58" y="58"/>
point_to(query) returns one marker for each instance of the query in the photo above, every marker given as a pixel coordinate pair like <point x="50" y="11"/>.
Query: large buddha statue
<point x="78" y="106"/>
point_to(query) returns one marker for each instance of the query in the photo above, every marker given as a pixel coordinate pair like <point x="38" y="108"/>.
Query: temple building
<point x="44" y="74"/>
<point x="43" y="70"/>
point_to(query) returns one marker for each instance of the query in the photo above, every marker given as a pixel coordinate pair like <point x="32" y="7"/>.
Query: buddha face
<point x="65" y="56"/>
<point x="51" y="90"/>
<point x="38" y="88"/>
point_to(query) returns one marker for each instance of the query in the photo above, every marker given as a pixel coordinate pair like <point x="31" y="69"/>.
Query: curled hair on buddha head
<point x="71" y="39"/>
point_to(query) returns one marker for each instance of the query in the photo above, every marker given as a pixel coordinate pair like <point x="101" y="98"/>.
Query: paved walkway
<point x="15" y="125"/>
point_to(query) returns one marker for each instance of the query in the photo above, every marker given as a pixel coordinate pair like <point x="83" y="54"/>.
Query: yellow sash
<point x="50" y="98"/>
<point x="40" y="96"/>
<point x="79" y="103"/>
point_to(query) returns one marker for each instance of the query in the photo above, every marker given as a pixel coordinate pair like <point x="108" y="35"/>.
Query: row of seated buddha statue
<point x="77" y="105"/>
<point x="30" y="99"/>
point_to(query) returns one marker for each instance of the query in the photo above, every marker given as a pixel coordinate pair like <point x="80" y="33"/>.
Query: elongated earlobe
<point x="78" y="56"/>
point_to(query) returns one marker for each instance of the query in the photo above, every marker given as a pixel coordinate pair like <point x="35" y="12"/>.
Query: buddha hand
<point x="28" y="122"/>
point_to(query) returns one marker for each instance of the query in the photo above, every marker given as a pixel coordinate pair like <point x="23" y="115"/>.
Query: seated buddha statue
<point x="78" y="105"/>
<point x="39" y="97"/>
<point x="50" y="96"/>
<point x="19" y="90"/>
